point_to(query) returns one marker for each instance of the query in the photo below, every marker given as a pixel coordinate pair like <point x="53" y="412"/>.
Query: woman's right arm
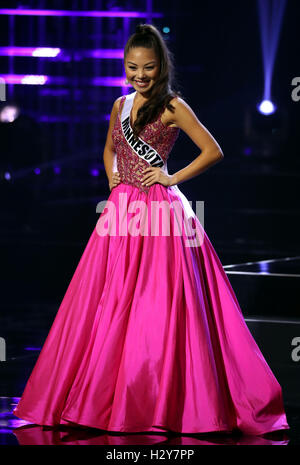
<point x="109" y="149"/>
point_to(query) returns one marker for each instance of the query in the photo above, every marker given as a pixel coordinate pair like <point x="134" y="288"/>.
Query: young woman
<point x="150" y="335"/>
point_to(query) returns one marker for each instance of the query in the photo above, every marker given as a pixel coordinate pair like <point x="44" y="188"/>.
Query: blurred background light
<point x="266" y="107"/>
<point x="9" y="113"/>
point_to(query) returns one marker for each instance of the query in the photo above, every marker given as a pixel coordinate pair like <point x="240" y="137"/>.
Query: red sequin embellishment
<point x="129" y="164"/>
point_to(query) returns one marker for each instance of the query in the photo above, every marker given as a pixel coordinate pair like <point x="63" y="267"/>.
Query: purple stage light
<point x="30" y="51"/>
<point x="52" y="52"/>
<point x="24" y="79"/>
<point x="270" y="18"/>
<point x="57" y="80"/>
<point x="87" y="14"/>
<point x="32" y="348"/>
<point x="109" y="81"/>
<point x="46" y="52"/>
<point x="54" y="92"/>
<point x="264" y="267"/>
<point x="16" y="51"/>
<point x="34" y="79"/>
<point x="56" y="119"/>
<point x="57" y="169"/>
<point x="103" y="53"/>
<point x="106" y="81"/>
<point x="70" y="119"/>
<point x="37" y="171"/>
<point x="247" y="151"/>
<point x="94" y="172"/>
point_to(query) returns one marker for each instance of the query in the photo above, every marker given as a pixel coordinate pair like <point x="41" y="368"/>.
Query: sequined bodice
<point x="129" y="164"/>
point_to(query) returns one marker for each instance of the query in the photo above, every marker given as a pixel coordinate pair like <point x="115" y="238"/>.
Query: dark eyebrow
<point x="153" y="61"/>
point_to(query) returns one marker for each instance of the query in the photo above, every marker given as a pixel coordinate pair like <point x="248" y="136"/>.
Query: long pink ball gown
<point x="149" y="335"/>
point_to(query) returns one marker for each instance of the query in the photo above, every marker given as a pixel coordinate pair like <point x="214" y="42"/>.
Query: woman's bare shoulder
<point x="168" y="117"/>
<point x="118" y="101"/>
<point x="178" y="102"/>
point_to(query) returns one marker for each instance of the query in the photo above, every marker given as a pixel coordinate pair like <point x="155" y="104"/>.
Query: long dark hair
<point x="148" y="36"/>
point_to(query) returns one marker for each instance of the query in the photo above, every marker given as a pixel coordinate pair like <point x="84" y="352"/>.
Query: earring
<point x="126" y="81"/>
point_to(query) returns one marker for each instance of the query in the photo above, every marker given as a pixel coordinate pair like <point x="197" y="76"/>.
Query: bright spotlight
<point x="266" y="129"/>
<point x="266" y="107"/>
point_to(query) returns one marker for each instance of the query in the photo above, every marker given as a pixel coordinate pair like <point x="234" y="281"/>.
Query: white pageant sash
<point x="151" y="156"/>
<point x="140" y="147"/>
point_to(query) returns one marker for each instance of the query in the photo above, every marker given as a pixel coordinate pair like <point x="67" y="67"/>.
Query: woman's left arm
<point x="211" y="152"/>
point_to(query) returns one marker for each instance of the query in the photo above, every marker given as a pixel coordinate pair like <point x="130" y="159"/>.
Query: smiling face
<point x="142" y="69"/>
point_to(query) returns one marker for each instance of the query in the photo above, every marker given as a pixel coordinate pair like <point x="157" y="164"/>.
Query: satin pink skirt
<point x="149" y="335"/>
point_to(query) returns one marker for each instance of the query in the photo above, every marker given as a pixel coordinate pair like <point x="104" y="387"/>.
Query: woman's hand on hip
<point x="155" y="175"/>
<point x="114" y="180"/>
